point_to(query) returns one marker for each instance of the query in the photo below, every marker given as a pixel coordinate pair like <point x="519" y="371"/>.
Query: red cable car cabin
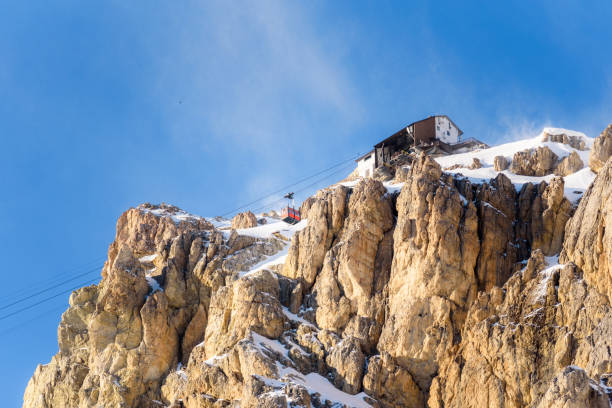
<point x="290" y="215"/>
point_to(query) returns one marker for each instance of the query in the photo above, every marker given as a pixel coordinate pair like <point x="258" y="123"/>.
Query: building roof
<point x="391" y="137"/>
<point x="418" y="121"/>
<point x="364" y="156"/>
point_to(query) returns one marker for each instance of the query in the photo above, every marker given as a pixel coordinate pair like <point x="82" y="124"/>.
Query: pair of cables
<point x="29" y="298"/>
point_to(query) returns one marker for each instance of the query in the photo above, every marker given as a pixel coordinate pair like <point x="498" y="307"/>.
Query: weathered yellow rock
<point x="534" y="162"/>
<point x="569" y="165"/>
<point x="391" y="383"/>
<point x="500" y="163"/>
<point x="588" y="241"/>
<point x="432" y="278"/>
<point x="244" y="220"/>
<point x="602" y="150"/>
<point x="251" y="303"/>
<point x="515" y="341"/>
<point x="309" y="246"/>
<point x="421" y="298"/>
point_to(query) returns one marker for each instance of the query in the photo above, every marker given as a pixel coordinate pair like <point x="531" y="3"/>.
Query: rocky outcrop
<point x="445" y="295"/>
<point x="534" y="162"/>
<point x="350" y="288"/>
<point x="572" y="388"/>
<point x="516" y="340"/>
<point x="119" y="340"/>
<point x="543" y="339"/>
<point x="574" y="141"/>
<point x="548" y="227"/>
<point x="309" y="246"/>
<point x="500" y="163"/>
<point x="588" y="242"/>
<point x="244" y="220"/>
<point x="476" y="164"/>
<point x="432" y="276"/>
<point x="250" y="304"/>
<point x="347" y="362"/>
<point x="602" y="150"/>
<point x="569" y="165"/>
<point x="391" y="383"/>
<point x="145" y="228"/>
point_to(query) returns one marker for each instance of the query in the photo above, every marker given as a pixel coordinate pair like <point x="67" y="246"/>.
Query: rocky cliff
<point x="435" y="290"/>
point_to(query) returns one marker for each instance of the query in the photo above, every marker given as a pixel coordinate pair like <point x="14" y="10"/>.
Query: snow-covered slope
<point x="575" y="184"/>
<point x="267" y="231"/>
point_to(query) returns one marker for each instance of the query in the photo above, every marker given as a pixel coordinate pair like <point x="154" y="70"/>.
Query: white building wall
<point x="365" y="166"/>
<point x="446" y="131"/>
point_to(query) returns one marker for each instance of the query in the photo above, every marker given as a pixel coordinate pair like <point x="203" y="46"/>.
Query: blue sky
<point x="209" y="105"/>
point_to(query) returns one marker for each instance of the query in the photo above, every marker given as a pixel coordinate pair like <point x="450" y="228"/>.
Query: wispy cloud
<point x="258" y="75"/>
<point x="515" y="128"/>
<point x="255" y="84"/>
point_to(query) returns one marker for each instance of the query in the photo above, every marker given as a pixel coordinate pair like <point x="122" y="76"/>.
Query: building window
<point x="447" y="133"/>
<point x="438" y="127"/>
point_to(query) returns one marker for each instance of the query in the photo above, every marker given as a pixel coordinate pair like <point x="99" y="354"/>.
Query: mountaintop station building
<point x="436" y="135"/>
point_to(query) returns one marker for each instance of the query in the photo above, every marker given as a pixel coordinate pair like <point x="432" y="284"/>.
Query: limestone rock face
<point x="602" y="150"/>
<point x="144" y="228"/>
<point x="391" y="383"/>
<point x="534" y="162"/>
<point x="497" y="215"/>
<point x="349" y="290"/>
<point x="347" y="362"/>
<point x="432" y="276"/>
<point x="571" y="140"/>
<point x="251" y="303"/>
<point x="500" y="163"/>
<point x="517" y="339"/>
<point x="309" y="246"/>
<point x="447" y="294"/>
<point x="588" y="241"/>
<point x="569" y="165"/>
<point x="556" y="212"/>
<point x="244" y="220"/>
<point x="120" y="339"/>
<point x="572" y="388"/>
<point x="523" y="345"/>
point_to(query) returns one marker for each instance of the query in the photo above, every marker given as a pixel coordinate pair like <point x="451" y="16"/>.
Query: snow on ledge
<point x="313" y="382"/>
<point x="272" y="260"/>
<point x="316" y="383"/>
<point x="576" y="184"/>
<point x="147" y="258"/>
<point x="392" y="187"/>
<point x="153" y="284"/>
<point x="561" y="131"/>
<point x="177" y="215"/>
<point x="268" y="230"/>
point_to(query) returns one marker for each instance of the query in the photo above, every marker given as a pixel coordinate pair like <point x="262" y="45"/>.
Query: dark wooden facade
<point x="420" y="136"/>
<point x="424" y="130"/>
<point x="418" y="133"/>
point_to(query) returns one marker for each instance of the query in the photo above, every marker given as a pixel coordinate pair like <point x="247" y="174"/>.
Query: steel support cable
<point x="40" y="292"/>
<point x="6" y="316"/>
<point x="16" y="293"/>
<point x="28" y="321"/>
<point x="98" y="267"/>
<point x="291" y="185"/>
<point x="303" y="188"/>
